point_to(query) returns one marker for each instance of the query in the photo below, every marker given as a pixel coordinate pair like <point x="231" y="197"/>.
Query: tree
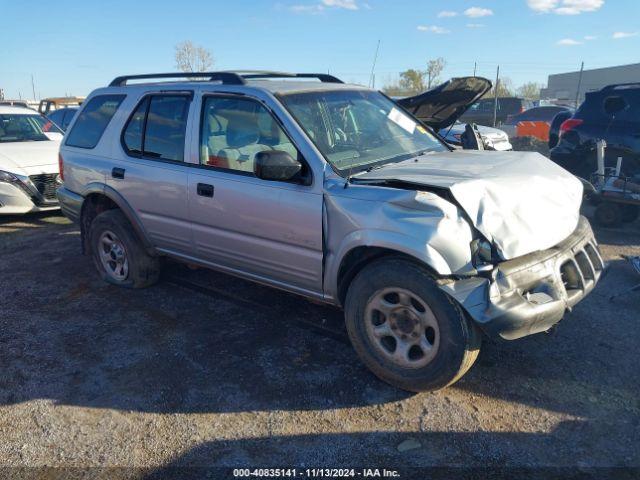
<point x="530" y="90"/>
<point x="192" y="58"/>
<point x="434" y="69"/>
<point x="505" y="88"/>
<point x="411" y="82"/>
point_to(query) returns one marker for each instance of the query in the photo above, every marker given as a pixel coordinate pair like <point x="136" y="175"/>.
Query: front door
<point x="267" y="230"/>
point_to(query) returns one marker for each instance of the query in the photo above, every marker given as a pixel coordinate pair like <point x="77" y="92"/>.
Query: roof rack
<point x="258" y="74"/>
<point x="229" y="78"/>
<point x="618" y="85"/>
<point x="226" y="77"/>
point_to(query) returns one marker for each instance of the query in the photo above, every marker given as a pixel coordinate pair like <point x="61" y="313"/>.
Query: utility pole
<point x="373" y="67"/>
<point x="33" y="87"/>
<point x="579" y="85"/>
<point x="475" y="67"/>
<point x="495" y="97"/>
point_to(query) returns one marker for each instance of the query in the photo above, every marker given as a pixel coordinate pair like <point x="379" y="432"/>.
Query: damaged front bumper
<point x="531" y="293"/>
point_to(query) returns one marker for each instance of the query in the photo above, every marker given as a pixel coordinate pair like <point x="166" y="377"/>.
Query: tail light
<point x="570" y="124"/>
<point x="61" y="166"/>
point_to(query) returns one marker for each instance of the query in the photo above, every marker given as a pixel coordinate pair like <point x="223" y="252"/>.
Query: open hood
<point x="520" y="201"/>
<point x="441" y="106"/>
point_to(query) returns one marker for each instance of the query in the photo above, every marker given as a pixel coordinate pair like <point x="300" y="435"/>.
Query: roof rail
<point x="257" y="74"/>
<point x="229" y="78"/>
<point x="617" y="85"/>
<point x="235" y="77"/>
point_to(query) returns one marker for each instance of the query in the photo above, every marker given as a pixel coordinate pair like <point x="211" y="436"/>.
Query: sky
<point x="73" y="46"/>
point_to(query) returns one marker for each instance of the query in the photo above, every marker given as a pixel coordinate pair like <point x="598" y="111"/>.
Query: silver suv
<point x="337" y="193"/>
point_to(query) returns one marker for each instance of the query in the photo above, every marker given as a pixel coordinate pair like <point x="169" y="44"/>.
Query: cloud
<point x="475" y="25"/>
<point x="476" y="12"/>
<point x="433" y="29"/>
<point x="565" y="7"/>
<point x="311" y="9"/>
<point x="590" y="37"/>
<point x="317" y="8"/>
<point x="447" y="13"/>
<point x="346" y="4"/>
<point x="568" y="42"/>
<point x="620" y="35"/>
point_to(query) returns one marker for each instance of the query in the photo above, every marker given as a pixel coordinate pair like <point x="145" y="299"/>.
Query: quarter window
<point x="234" y="131"/>
<point x="93" y="120"/>
<point x="157" y="128"/>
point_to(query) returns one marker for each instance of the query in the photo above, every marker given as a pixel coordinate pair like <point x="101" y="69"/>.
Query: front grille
<point x="46" y="184"/>
<point x="580" y="272"/>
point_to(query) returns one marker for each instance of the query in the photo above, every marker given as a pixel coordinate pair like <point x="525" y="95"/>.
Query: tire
<point x="608" y="214"/>
<point x="118" y="254"/>
<point x="630" y="213"/>
<point x="455" y="341"/>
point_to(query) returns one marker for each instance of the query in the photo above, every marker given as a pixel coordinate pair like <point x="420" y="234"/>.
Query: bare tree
<point x="505" y="89"/>
<point x="434" y="69"/>
<point x="530" y="90"/>
<point x="192" y="58"/>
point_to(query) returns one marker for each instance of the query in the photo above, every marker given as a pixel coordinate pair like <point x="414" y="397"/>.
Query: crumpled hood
<point x="29" y="158"/>
<point x="520" y="201"/>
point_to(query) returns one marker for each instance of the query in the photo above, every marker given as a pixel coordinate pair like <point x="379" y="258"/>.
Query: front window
<point x="356" y="130"/>
<point x="25" y="128"/>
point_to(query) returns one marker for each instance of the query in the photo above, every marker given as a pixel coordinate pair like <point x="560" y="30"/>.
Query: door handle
<point x="117" y="172"/>
<point x="205" y="190"/>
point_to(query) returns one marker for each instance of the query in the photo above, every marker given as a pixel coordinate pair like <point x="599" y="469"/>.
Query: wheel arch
<point x="362" y="247"/>
<point x="99" y="198"/>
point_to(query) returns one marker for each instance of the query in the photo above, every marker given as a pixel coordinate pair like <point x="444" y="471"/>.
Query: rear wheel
<point x="630" y="213"/>
<point x="118" y="255"/>
<point x="406" y="329"/>
<point x="608" y="214"/>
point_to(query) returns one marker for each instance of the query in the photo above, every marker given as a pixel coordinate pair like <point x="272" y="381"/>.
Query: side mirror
<point x="276" y="165"/>
<point x="613" y="105"/>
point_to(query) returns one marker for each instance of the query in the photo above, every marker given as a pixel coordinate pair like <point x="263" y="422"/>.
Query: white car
<point x="29" y="171"/>
<point x="493" y="138"/>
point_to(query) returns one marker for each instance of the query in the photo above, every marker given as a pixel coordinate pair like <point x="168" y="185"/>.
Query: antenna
<point x="372" y="77"/>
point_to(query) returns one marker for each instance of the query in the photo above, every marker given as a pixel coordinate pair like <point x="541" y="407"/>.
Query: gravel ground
<point x="205" y="369"/>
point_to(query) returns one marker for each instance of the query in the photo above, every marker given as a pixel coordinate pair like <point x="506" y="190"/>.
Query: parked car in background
<point x="29" y="177"/>
<point x="62" y="118"/>
<point x="554" y="128"/>
<point x="534" y="122"/>
<point x="19" y="103"/>
<point x="441" y="107"/>
<point x="493" y="138"/>
<point x="611" y="114"/>
<point x="482" y="111"/>
<point x="48" y="105"/>
<point x="333" y="192"/>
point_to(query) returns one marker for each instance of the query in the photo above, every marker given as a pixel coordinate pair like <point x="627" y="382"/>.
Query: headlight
<point x="481" y="255"/>
<point x="8" y="177"/>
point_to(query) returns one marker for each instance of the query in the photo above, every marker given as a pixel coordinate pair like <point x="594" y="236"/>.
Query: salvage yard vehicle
<point x="442" y="106"/>
<point x="48" y="105"/>
<point x="611" y="114"/>
<point x="29" y="176"/>
<point x="334" y="192"/>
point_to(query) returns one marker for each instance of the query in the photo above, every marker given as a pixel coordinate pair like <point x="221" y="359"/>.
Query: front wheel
<point x="406" y="329"/>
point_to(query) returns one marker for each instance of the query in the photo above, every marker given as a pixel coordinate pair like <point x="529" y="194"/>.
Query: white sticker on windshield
<point x="400" y="119"/>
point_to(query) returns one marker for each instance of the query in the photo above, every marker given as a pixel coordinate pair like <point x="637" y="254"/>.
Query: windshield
<point x="356" y="130"/>
<point x="25" y="128"/>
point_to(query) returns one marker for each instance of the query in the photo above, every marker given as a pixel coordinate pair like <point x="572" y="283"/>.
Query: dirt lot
<point x="204" y="369"/>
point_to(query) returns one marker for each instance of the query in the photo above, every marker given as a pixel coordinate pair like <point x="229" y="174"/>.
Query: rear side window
<point x="93" y="120"/>
<point x="157" y="128"/>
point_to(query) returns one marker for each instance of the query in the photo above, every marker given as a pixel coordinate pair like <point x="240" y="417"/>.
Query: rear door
<point x="266" y="230"/>
<point x="148" y="169"/>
